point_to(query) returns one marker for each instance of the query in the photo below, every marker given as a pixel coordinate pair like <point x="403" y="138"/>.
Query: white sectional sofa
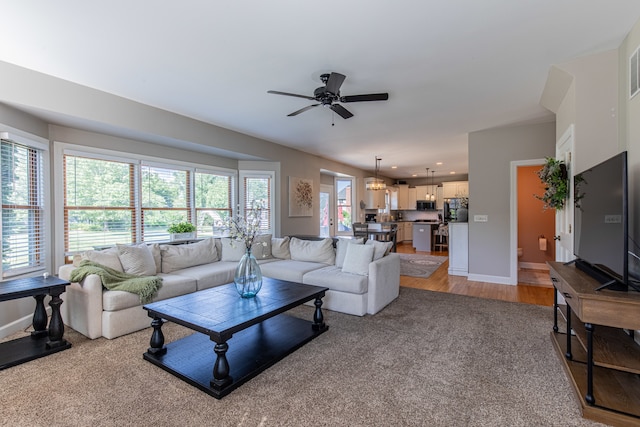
<point x="362" y="278"/>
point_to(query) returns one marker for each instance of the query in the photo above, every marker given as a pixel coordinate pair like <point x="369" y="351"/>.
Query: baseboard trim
<point x="501" y="280"/>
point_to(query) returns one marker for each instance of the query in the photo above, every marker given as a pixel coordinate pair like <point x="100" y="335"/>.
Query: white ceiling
<point x="450" y="66"/>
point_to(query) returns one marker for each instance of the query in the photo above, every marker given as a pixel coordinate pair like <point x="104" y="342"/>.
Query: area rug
<point x="427" y="359"/>
<point x="416" y="265"/>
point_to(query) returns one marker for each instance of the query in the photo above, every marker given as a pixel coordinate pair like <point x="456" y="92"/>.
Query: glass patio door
<point x="327" y="211"/>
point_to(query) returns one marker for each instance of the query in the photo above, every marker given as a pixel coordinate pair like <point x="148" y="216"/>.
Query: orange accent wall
<point x="533" y="219"/>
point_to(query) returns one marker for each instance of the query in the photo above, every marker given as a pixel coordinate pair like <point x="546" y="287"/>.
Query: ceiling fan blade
<point x="302" y="110"/>
<point x="368" y="97"/>
<point x="334" y="83"/>
<point x="275" y="92"/>
<point x="341" y="111"/>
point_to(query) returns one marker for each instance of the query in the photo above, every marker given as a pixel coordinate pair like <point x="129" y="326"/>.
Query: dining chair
<point x="360" y="229"/>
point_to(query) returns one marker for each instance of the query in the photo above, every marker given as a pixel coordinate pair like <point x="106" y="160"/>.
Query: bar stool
<point x="441" y="238"/>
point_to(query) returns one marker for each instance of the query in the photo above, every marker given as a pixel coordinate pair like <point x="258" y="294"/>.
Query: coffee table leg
<point x="156" y="343"/>
<point x="56" y="326"/>
<point x="318" y="318"/>
<point x="221" y="377"/>
<point x="39" y="318"/>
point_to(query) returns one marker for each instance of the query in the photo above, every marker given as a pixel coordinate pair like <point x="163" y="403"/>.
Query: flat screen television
<point x="601" y="223"/>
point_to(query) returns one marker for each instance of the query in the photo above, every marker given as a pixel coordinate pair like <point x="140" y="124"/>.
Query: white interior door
<point x="327" y="210"/>
<point x="564" y="217"/>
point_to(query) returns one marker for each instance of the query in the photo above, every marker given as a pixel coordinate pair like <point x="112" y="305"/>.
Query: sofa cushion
<point x="341" y="249"/>
<point x="137" y="259"/>
<point x="107" y="257"/>
<point x="232" y="250"/>
<point x="261" y="247"/>
<point x="357" y="259"/>
<point x="280" y="247"/>
<point x="287" y="269"/>
<point x="335" y="279"/>
<point x="313" y="251"/>
<point x="380" y="248"/>
<point x="177" y="257"/>
<point x="173" y="285"/>
<point x="212" y="274"/>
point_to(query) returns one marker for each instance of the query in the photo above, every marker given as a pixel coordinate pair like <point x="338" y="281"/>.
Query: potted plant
<point x="182" y="231"/>
<point x="555" y="177"/>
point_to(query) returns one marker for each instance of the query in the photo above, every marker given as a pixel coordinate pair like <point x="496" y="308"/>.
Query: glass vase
<point x="248" y="277"/>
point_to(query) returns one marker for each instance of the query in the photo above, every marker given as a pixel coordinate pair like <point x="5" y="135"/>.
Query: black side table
<point x="43" y="341"/>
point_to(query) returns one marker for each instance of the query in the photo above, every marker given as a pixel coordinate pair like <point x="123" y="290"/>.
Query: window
<point x="24" y="210"/>
<point x="99" y="203"/>
<point x="109" y="200"/>
<point x="165" y="200"/>
<point x="213" y="201"/>
<point x="344" y="190"/>
<point x="257" y="187"/>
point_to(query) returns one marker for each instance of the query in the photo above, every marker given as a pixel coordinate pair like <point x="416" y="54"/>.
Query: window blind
<point x="23" y="208"/>
<point x="257" y="189"/>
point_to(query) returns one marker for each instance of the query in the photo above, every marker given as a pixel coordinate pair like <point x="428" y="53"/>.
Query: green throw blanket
<point x="114" y="280"/>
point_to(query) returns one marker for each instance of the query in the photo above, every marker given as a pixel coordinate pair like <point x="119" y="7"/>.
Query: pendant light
<point x="433" y="188"/>
<point x="376" y="184"/>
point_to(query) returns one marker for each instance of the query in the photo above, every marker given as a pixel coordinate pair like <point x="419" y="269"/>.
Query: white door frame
<point x="513" y="217"/>
<point x="564" y="218"/>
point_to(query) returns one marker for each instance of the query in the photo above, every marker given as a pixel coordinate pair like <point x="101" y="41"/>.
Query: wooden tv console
<point x="601" y="359"/>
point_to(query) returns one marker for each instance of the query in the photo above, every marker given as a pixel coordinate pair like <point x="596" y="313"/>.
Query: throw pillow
<point x="232" y="250"/>
<point x="157" y="256"/>
<point x="107" y="257"/>
<point x="357" y="259"/>
<point x="177" y="257"/>
<point x="315" y="251"/>
<point x="341" y="249"/>
<point x="280" y="247"/>
<point x="380" y="248"/>
<point x="261" y="248"/>
<point x="137" y="259"/>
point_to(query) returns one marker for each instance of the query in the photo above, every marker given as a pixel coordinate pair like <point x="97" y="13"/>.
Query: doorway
<point x="532" y="228"/>
<point x="327" y="210"/>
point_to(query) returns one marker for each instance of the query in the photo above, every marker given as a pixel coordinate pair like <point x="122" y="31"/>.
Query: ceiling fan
<point x="329" y="94"/>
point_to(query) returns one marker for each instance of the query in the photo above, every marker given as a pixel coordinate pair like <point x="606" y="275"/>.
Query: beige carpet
<point x="428" y="359"/>
<point x="419" y="265"/>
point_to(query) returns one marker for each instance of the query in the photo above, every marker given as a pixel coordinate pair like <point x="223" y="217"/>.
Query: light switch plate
<point x="480" y="218"/>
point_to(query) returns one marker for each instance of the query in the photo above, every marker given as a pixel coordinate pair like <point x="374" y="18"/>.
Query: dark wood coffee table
<point x="262" y="332"/>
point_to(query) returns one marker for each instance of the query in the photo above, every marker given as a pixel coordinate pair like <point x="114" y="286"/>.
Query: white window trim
<point x="25" y="138"/>
<point x="241" y="199"/>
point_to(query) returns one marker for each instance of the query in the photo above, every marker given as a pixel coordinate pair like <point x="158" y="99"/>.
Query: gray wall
<point x="490" y="155"/>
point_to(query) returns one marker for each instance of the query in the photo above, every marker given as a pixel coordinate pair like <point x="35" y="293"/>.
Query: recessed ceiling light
<point x="439" y="163"/>
<point x="414" y="175"/>
<point x="394" y="167"/>
<point x="452" y="172"/>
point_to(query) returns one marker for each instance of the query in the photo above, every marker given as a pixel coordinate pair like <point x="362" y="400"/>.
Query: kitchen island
<point x="423" y="235"/>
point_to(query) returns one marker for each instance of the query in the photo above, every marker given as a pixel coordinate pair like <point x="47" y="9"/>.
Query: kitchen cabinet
<point x="453" y="189"/>
<point x="403" y="197"/>
<point x="422" y="192"/>
<point x="411" y="199"/>
<point x="439" y="198"/>
<point x="459" y="248"/>
<point x="374" y="199"/>
<point x="400" y="233"/>
<point x="408" y="231"/>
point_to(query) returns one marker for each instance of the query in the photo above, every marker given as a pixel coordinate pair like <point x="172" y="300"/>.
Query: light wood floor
<point x="441" y="281"/>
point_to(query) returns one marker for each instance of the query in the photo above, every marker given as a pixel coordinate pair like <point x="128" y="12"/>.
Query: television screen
<point x="601" y="223"/>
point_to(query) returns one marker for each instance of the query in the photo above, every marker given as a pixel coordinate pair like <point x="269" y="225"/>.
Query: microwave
<point x="426" y="205"/>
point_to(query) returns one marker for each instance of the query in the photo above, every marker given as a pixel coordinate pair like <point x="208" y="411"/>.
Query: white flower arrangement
<point x="464" y="201"/>
<point x="245" y="229"/>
